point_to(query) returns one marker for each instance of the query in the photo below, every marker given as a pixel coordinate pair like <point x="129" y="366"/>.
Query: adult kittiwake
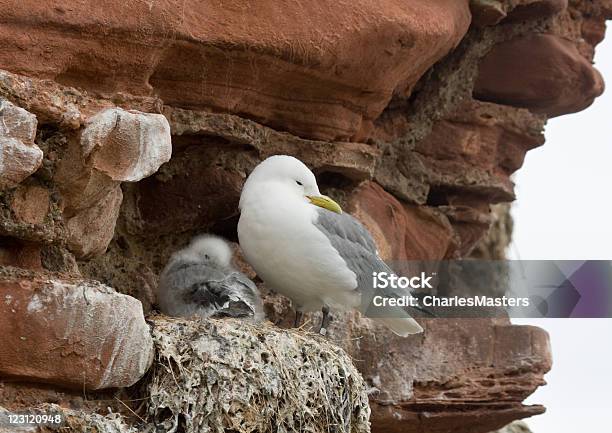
<point x="303" y="246"/>
<point x="200" y="280"/>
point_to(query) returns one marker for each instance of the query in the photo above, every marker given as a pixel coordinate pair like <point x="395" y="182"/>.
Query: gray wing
<point x="210" y="291"/>
<point x="356" y="246"/>
<point x="240" y="287"/>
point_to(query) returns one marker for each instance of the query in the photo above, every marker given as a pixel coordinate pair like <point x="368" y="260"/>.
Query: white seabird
<point x="303" y="246"/>
<point x="200" y="280"/>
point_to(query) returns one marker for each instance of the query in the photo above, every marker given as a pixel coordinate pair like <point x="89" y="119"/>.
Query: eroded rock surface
<point x="402" y="231"/>
<point x="411" y="120"/>
<point x="471" y="375"/>
<point x="75" y="334"/>
<point x="544" y="73"/>
<point x="127" y="146"/>
<point x="19" y="156"/>
<point x="114" y="146"/>
<point x="300" y="75"/>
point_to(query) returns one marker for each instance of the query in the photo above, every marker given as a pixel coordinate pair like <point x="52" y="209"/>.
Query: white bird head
<point x="289" y="175"/>
<point x="209" y="248"/>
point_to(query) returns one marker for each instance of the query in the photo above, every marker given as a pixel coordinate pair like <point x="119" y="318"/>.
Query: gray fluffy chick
<point x="200" y="280"/>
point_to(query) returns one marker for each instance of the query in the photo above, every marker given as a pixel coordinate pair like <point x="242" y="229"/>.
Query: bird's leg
<point x="324" y="320"/>
<point x="298" y="318"/>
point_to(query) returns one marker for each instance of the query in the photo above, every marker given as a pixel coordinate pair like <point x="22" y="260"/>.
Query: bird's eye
<point x="299" y="183"/>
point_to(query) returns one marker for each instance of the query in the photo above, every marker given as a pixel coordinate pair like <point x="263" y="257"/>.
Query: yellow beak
<point x="325" y="202"/>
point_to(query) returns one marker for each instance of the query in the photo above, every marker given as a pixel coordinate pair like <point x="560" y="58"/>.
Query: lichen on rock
<point x="226" y="375"/>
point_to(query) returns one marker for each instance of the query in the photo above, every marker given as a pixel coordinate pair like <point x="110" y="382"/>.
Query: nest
<point x="79" y="422"/>
<point x="227" y="375"/>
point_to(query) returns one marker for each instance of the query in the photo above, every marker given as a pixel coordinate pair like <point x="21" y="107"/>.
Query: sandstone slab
<point x="470" y="151"/>
<point x="474" y="150"/>
<point x="542" y="72"/>
<point x="351" y="159"/>
<point x="401" y="231"/>
<point x="114" y="146"/>
<point x="53" y="103"/>
<point x="127" y="146"/>
<point x="491" y="12"/>
<point x="467" y="161"/>
<point x="323" y="70"/>
<point x="19" y="156"/>
<point x="464" y="164"/>
<point x="520" y="10"/>
<point x="74" y="333"/>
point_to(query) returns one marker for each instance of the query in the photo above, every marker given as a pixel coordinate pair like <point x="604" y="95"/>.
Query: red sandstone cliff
<point x="126" y="127"/>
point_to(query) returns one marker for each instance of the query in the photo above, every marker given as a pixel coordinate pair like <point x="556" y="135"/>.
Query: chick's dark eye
<point x="299" y="183"/>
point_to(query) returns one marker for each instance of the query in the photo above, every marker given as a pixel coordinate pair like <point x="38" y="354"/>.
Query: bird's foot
<point x="324" y="321"/>
<point x="298" y="318"/>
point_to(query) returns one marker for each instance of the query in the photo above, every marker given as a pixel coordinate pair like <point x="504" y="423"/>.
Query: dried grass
<point x="227" y="375"/>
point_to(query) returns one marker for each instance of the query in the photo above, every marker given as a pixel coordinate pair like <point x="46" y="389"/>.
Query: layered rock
<point x="114" y="146"/>
<point x="402" y="231"/>
<point x="19" y="156"/>
<point x="491" y="12"/>
<point x="294" y="74"/>
<point x="130" y="127"/>
<point x="471" y="376"/>
<point x="75" y="334"/>
<point x="544" y="73"/>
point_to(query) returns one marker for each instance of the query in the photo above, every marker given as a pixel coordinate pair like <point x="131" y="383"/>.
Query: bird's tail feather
<point x="402" y="326"/>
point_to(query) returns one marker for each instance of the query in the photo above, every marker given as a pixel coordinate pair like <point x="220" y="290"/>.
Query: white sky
<point x="564" y="211"/>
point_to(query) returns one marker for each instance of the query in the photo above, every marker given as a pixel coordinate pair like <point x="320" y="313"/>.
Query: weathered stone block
<point x="19" y="156"/>
<point x="542" y="72"/>
<point x="72" y="333"/>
